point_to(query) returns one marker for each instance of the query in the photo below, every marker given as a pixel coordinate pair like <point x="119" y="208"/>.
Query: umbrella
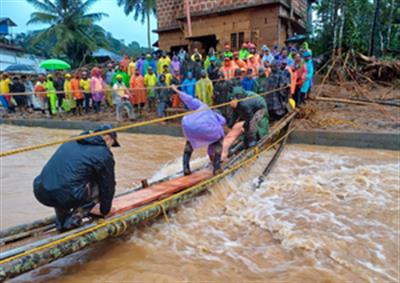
<point x="20" y="69"/>
<point x="297" y="38"/>
<point x="55" y="64"/>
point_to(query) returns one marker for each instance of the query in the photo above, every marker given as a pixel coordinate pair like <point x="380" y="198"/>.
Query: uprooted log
<point x="376" y="69"/>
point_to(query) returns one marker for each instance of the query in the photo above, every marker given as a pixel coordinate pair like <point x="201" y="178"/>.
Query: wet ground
<point x="324" y="214"/>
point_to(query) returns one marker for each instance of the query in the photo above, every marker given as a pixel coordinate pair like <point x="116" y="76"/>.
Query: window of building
<point x="241" y="40"/>
<point x="237" y="39"/>
<point x="234" y="40"/>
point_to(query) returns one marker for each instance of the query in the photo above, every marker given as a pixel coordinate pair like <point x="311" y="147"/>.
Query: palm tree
<point x="143" y="9"/>
<point x="71" y="27"/>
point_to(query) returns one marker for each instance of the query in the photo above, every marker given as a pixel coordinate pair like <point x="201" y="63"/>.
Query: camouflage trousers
<point x="251" y="127"/>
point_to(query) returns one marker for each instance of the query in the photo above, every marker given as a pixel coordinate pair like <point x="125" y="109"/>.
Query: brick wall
<point x="300" y="6"/>
<point x="261" y="25"/>
<point x="169" y="10"/>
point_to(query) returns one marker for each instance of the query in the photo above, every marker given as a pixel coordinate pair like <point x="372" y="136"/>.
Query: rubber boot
<point x="217" y="164"/>
<point x="216" y="149"/>
<point x="186" y="159"/>
<point x="186" y="163"/>
<point x="72" y="222"/>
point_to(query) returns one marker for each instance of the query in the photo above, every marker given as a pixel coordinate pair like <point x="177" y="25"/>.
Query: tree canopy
<point x="370" y="27"/>
<point x="142" y="9"/>
<point x="72" y="32"/>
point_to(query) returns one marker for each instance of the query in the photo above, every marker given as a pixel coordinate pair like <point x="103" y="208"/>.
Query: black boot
<point x="217" y="164"/>
<point x="186" y="159"/>
<point x="217" y="148"/>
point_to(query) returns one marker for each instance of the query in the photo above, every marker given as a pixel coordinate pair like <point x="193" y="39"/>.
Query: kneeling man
<point x="77" y="176"/>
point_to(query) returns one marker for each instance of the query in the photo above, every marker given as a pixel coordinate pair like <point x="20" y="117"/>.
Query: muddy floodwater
<point x="323" y="214"/>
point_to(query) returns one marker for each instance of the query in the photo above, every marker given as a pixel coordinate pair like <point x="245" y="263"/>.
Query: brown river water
<point x="323" y="214"/>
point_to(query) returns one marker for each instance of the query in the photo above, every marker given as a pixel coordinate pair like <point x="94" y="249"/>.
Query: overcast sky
<point x="120" y="25"/>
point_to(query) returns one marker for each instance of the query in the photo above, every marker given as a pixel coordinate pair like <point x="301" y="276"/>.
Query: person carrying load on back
<point x="79" y="175"/>
<point x="254" y="113"/>
<point x="202" y="128"/>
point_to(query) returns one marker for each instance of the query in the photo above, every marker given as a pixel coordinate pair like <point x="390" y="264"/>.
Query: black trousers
<point x="68" y="208"/>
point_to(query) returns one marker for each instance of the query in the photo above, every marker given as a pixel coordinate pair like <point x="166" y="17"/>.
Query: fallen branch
<point x="356" y="101"/>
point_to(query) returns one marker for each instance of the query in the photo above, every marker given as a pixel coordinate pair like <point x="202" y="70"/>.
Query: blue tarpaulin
<point x="104" y="53"/>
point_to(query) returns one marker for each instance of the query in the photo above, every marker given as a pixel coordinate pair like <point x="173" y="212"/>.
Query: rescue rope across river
<point x="126" y="127"/>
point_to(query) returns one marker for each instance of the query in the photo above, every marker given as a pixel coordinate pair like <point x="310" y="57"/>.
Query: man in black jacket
<point x="77" y="176"/>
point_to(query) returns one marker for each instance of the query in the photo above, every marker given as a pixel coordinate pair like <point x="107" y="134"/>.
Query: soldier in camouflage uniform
<point x="222" y="93"/>
<point x="237" y="80"/>
<point x="284" y="81"/>
<point x="276" y="107"/>
<point x="261" y="85"/>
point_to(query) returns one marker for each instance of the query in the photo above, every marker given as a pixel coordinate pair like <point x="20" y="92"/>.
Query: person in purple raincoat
<point x="203" y="128"/>
<point x="140" y="64"/>
<point x="175" y="64"/>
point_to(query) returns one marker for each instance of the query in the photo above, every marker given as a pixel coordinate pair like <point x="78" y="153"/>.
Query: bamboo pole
<point x="355" y="101"/>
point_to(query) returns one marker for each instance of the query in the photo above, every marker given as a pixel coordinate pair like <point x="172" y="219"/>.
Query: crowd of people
<point x="143" y="84"/>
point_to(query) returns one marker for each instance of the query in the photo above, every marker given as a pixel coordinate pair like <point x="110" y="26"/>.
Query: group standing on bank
<point x="137" y="85"/>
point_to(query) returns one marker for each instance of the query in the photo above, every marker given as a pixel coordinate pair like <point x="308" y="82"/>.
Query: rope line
<point x="257" y="153"/>
<point x="126" y="127"/>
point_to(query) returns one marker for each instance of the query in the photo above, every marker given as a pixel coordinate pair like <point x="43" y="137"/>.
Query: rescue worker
<point x="261" y="83"/>
<point x="254" y="113"/>
<point x="222" y="91"/>
<point x="274" y="100"/>
<point x="163" y="94"/>
<point x="236" y="81"/>
<point x="78" y="175"/>
<point x="202" y="128"/>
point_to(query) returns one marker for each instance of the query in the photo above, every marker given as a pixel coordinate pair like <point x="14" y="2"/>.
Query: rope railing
<point x="129" y="126"/>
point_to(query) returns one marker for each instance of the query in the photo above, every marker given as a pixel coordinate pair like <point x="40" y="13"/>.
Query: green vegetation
<point x="141" y="8"/>
<point x="366" y="26"/>
<point x="71" y="33"/>
<point x="71" y="30"/>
